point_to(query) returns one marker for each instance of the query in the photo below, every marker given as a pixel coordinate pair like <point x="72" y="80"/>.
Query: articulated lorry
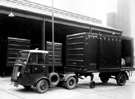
<point x="85" y="54"/>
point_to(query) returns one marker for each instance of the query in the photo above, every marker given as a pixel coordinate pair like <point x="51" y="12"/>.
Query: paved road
<point x="102" y="91"/>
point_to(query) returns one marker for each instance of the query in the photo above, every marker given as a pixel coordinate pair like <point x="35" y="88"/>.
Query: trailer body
<point x="88" y="52"/>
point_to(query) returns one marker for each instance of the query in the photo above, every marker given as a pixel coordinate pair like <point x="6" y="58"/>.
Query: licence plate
<point x="15" y="84"/>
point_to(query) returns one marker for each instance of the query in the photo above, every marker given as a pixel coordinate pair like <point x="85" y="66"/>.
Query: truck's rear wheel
<point x="121" y="79"/>
<point x="42" y="86"/>
<point x="70" y="83"/>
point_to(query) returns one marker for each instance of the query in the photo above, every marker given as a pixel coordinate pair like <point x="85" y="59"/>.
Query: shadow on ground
<point x="98" y="84"/>
<point x="23" y="90"/>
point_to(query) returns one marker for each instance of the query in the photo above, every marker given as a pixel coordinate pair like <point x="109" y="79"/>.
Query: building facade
<point x="111" y="19"/>
<point x="124" y="16"/>
<point x="33" y="22"/>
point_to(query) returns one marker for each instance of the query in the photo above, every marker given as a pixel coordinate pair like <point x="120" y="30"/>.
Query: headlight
<point x="18" y="73"/>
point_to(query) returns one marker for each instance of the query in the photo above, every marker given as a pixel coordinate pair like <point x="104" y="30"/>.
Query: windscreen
<point x="22" y="57"/>
<point x="37" y="58"/>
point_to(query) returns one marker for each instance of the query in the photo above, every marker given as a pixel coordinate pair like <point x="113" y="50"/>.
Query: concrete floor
<point x="102" y="91"/>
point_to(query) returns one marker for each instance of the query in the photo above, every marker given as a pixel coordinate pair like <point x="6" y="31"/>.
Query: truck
<point x="85" y="54"/>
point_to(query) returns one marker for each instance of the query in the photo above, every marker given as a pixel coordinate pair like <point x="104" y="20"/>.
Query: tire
<point x="54" y="79"/>
<point x="92" y="84"/>
<point x="70" y="83"/>
<point x="42" y="86"/>
<point x="121" y="79"/>
<point x="104" y="79"/>
<point x="27" y="87"/>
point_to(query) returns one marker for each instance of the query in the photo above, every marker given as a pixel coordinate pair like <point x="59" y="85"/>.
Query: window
<point x="41" y="58"/>
<point x="37" y="58"/>
<point x="33" y="58"/>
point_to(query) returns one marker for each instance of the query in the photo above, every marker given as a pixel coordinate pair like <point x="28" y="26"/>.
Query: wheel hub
<point x="43" y="86"/>
<point x="71" y="82"/>
<point x="122" y="79"/>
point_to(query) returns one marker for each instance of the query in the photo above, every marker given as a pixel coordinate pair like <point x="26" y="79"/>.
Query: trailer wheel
<point x="42" y="86"/>
<point x="92" y="84"/>
<point x="70" y="83"/>
<point x="121" y="79"/>
<point x="104" y="79"/>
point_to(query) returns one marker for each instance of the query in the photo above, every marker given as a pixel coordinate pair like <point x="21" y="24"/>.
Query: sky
<point x="133" y="19"/>
<point x="92" y="8"/>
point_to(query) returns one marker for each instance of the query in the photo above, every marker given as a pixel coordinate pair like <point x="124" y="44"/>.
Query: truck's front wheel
<point x="42" y="86"/>
<point x="70" y="83"/>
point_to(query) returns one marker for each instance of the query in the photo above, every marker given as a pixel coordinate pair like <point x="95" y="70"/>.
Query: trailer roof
<point x="35" y="51"/>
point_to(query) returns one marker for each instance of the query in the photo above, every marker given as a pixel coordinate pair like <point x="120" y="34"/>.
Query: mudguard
<point x="66" y="76"/>
<point x="125" y="74"/>
<point x="38" y="79"/>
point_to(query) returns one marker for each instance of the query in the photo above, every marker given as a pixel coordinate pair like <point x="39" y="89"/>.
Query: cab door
<point x="36" y="67"/>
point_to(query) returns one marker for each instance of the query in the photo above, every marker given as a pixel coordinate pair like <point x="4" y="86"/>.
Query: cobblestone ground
<point x="102" y="91"/>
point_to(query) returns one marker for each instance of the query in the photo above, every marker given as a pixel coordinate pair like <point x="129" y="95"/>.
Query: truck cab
<point x="30" y="67"/>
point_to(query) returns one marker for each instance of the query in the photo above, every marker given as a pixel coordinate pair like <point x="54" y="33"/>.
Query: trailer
<point x="110" y="55"/>
<point x="85" y="54"/>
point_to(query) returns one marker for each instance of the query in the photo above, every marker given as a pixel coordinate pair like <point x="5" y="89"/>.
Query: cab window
<point x="37" y="58"/>
<point x="33" y="58"/>
<point x="41" y="59"/>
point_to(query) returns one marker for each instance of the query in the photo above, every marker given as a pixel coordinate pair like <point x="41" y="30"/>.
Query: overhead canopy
<point x="37" y="11"/>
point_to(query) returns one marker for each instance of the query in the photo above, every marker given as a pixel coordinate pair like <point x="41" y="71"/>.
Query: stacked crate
<point x="14" y="45"/>
<point x="57" y="53"/>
